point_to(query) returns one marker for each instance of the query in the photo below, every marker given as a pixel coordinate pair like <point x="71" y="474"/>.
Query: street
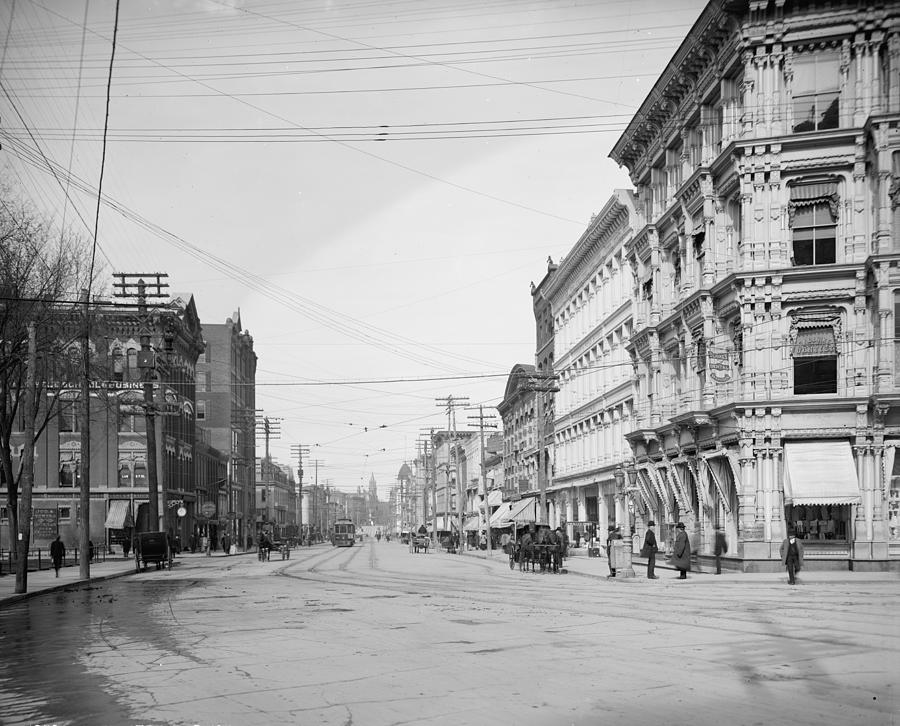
<point x="374" y="635"/>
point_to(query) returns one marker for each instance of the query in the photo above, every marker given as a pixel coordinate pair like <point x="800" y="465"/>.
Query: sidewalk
<point x="598" y="568"/>
<point x="44" y="581"/>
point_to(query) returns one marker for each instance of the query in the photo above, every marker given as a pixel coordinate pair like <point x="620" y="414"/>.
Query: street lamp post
<point x="622" y="547"/>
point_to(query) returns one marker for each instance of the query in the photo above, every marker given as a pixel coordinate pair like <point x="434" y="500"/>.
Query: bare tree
<point x="41" y="274"/>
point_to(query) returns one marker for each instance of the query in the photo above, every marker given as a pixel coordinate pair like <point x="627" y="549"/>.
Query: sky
<point x="373" y="184"/>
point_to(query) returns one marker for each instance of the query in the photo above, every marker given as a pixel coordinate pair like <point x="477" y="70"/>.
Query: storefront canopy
<point x="524" y="511"/>
<point x="820" y="472"/>
<point x="119" y="515"/>
<point x="499" y="518"/>
<point x="471" y="524"/>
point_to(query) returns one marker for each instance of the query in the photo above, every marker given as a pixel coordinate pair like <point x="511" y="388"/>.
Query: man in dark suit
<point x="649" y="550"/>
<point x="720" y="548"/>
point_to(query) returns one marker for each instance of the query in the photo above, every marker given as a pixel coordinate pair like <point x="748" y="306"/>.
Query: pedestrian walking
<point x="57" y="553"/>
<point x="90" y="550"/>
<point x="649" y="550"/>
<point x="792" y="556"/>
<point x="681" y="554"/>
<point x="720" y="548"/>
<point x="612" y="533"/>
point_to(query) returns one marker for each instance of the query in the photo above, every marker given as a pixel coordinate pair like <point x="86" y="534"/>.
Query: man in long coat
<point x="57" y="553"/>
<point x="681" y="553"/>
<point x="792" y="556"/>
<point x="649" y="550"/>
<point x="613" y="533"/>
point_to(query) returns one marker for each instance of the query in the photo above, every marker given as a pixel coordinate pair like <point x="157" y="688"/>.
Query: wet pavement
<point x="377" y="635"/>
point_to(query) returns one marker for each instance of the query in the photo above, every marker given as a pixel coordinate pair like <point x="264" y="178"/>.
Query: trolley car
<point x="344" y="533"/>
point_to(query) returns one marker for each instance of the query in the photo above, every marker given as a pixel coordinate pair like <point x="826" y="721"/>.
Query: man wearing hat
<point x="681" y="555"/>
<point x="649" y="550"/>
<point x="612" y="533"/>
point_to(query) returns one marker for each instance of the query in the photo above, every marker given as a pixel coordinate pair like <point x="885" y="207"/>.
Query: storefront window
<point x="893" y="503"/>
<point x="820" y="522"/>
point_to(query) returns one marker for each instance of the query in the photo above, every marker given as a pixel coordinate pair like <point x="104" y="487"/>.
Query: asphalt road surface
<point x="374" y="635"/>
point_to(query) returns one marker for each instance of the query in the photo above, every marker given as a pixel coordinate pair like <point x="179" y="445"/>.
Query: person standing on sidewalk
<point x="57" y="553"/>
<point x="720" y="548"/>
<point x="681" y="555"/>
<point x="649" y="550"/>
<point x="792" y="556"/>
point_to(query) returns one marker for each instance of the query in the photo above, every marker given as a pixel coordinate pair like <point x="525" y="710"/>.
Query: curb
<point x="74" y="585"/>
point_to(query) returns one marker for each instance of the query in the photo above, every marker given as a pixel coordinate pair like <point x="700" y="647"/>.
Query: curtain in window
<point x="804" y="195"/>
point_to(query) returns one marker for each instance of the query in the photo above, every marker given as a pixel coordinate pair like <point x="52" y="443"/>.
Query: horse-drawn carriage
<point x="545" y="555"/>
<point x="151" y="547"/>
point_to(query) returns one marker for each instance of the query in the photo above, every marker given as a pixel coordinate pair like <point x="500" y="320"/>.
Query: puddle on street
<point x="43" y="639"/>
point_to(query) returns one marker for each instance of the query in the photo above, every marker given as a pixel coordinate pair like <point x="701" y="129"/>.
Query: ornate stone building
<point x="765" y="256"/>
<point x="590" y="295"/>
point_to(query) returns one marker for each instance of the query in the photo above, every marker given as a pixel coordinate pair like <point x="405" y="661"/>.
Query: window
<point x="132" y="418"/>
<point x="69" y="470"/>
<point x="816" y="92"/>
<point x="68" y="415"/>
<point x="134" y="374"/>
<point x="65" y="513"/>
<point x="815" y="361"/>
<point x="814" y="236"/>
<point x="118" y="364"/>
<point x="812" y="217"/>
<point x="897" y="339"/>
<point x="125" y="477"/>
<point x="201" y="410"/>
<point x="202" y="382"/>
<point x="4" y="514"/>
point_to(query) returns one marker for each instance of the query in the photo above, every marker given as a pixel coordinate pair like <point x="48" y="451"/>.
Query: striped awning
<point x="119" y="515"/>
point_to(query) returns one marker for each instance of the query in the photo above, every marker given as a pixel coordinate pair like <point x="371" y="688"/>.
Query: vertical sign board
<point x="44" y="524"/>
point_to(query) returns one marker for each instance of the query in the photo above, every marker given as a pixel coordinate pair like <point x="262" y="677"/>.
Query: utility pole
<point x="268" y="428"/>
<point x="300" y="451"/>
<point x="431" y="472"/>
<point x="316" y="515"/>
<point x="541" y="383"/>
<point x="481" y="418"/>
<point x="132" y="285"/>
<point x="84" y="539"/>
<point x="452" y="403"/>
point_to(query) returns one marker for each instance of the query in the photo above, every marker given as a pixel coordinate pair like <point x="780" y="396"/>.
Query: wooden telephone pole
<point x="481" y="418"/>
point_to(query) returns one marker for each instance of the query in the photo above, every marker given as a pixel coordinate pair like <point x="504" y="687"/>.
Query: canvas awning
<point x="524" y="511"/>
<point x="820" y="472"/>
<point x="471" y="524"/>
<point x="499" y="518"/>
<point x="119" y="515"/>
<point x="495" y="498"/>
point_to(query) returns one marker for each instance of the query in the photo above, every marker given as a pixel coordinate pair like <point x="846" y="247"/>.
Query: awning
<point x="820" y="472"/>
<point x="524" y="511"/>
<point x="119" y="515"/>
<point x="499" y="518"/>
<point x="471" y="524"/>
<point x="495" y="498"/>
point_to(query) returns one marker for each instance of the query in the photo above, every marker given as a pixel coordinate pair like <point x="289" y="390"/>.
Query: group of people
<point x="791" y="551"/>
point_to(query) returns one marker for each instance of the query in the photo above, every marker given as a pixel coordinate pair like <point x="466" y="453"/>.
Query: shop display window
<point x="822" y="522"/>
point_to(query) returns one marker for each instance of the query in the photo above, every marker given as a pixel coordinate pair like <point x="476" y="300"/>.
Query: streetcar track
<point x="690" y="607"/>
